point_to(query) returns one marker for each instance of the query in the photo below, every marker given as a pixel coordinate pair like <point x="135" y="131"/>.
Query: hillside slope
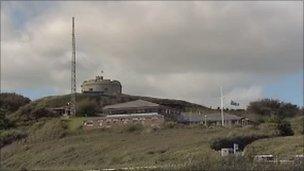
<point x="50" y="148"/>
<point x="89" y="104"/>
<point x="283" y="147"/>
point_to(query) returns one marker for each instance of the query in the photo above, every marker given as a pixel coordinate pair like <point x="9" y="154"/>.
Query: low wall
<point x="112" y="121"/>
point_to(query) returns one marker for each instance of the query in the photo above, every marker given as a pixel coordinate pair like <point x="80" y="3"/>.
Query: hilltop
<point x="90" y="105"/>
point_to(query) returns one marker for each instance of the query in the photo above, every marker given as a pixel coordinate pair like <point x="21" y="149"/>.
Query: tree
<point x="87" y="108"/>
<point x="270" y="107"/>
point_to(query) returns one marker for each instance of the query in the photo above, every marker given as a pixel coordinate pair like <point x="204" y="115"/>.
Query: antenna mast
<point x="73" y="72"/>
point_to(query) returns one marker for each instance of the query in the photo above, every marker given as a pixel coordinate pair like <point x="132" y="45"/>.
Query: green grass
<point x="297" y="124"/>
<point x="75" y="123"/>
<point x="280" y="146"/>
<point x="116" y="148"/>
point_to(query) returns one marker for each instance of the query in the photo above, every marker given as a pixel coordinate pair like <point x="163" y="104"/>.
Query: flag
<point x="234" y="103"/>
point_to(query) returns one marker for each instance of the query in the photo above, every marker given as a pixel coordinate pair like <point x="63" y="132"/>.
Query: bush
<point x="269" y="107"/>
<point x="28" y="114"/>
<point x="135" y="127"/>
<point x="4" y="122"/>
<point x="12" y="101"/>
<point x="284" y="128"/>
<point x="87" y="108"/>
<point x="9" y="136"/>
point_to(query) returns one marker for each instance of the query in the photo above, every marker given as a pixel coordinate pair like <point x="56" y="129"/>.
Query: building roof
<point x="133" y="115"/>
<point x="190" y="118"/>
<point x="218" y="117"/>
<point x="124" y="116"/>
<point x="213" y="117"/>
<point x="132" y="104"/>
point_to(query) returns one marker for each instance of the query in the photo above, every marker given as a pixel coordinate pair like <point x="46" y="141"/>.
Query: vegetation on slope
<point x="9" y="136"/>
<point x="270" y="107"/>
<point x="125" y="147"/>
<point x="280" y="146"/>
<point x="11" y="102"/>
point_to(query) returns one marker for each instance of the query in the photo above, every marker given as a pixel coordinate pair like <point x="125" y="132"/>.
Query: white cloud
<point x="183" y="50"/>
<point x="243" y="95"/>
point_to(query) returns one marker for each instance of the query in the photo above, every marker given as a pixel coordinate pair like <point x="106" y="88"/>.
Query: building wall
<point x="168" y="113"/>
<point x="107" y="122"/>
<point x="100" y="85"/>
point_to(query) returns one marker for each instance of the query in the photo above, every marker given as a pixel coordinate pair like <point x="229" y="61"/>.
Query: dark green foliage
<point x="87" y="108"/>
<point x="282" y="125"/>
<point x="29" y="113"/>
<point x="9" y="136"/>
<point x="227" y="142"/>
<point x="269" y="107"/>
<point x="12" y="101"/>
<point x="4" y="122"/>
<point x="284" y="128"/>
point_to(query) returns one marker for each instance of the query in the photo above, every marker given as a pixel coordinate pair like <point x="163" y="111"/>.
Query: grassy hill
<point x="280" y="146"/>
<point x="102" y="100"/>
<point x="62" y="144"/>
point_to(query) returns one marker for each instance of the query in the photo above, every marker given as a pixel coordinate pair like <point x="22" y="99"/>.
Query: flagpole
<point x="222" y="107"/>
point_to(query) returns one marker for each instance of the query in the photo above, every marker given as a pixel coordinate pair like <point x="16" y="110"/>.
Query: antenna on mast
<point x="73" y="72"/>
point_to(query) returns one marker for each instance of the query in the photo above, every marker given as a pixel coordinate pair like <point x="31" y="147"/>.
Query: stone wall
<point x="112" y="121"/>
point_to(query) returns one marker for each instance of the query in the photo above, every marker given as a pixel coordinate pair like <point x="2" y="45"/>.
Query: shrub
<point x="284" y="128"/>
<point x="9" y="136"/>
<point x="4" y="122"/>
<point x="135" y="127"/>
<point x="30" y="113"/>
<point x="269" y="107"/>
<point x="12" y="101"/>
<point x="87" y="108"/>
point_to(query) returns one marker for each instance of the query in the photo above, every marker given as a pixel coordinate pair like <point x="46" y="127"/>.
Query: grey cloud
<point x="179" y="50"/>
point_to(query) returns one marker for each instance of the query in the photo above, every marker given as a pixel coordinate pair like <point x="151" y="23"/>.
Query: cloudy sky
<point x="182" y="50"/>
